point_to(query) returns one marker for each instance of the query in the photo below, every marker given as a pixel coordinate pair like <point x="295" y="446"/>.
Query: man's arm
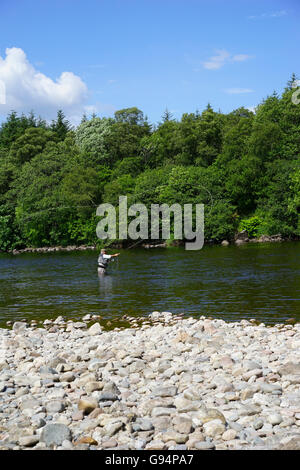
<point x="110" y="256"/>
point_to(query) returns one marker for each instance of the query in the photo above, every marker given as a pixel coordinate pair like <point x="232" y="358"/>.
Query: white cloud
<point x="238" y="91"/>
<point x="90" y="109"/>
<point x="28" y="89"/>
<point x="278" y="14"/>
<point x="223" y="57"/>
<point x="241" y="57"/>
<point x="274" y="14"/>
<point x="2" y="93"/>
<point x="217" y="61"/>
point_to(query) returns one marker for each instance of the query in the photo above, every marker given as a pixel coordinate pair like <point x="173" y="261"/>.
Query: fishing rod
<point x="131" y="246"/>
<point x="26" y="216"/>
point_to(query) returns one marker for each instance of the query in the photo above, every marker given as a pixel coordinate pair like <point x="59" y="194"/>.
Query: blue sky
<point x="179" y="54"/>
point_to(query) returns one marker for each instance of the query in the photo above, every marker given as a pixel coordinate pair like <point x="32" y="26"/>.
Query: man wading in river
<point x="103" y="261"/>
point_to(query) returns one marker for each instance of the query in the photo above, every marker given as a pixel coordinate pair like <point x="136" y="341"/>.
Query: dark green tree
<point x="60" y="126"/>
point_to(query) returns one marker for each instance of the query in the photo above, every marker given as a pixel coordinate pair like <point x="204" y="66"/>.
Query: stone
<point x="110" y="387"/>
<point x="182" y="424"/>
<point x="214" y="428"/>
<point x="161" y="423"/>
<point x="95" y="329"/>
<point x="192" y="393"/>
<point x="161" y="411"/>
<point x="229" y="435"/>
<point x="226" y="362"/>
<point x="87" y="405"/>
<point x="275" y="418"/>
<point x="270" y="388"/>
<point x="95" y="365"/>
<point x="290" y="443"/>
<point x="196" y="436"/>
<point x="184" y="405"/>
<point x="242" y="236"/>
<point x="67" y="445"/>
<point x="156" y="444"/>
<point x="173" y="435"/>
<point x="37" y="422"/>
<point x="78" y="415"/>
<point x="19" y="326"/>
<point x="55" y="361"/>
<point x="3" y="364"/>
<point x="87" y="440"/>
<point x="204" y="415"/>
<point x="247" y="393"/>
<point x="29" y="403"/>
<point x="55" y="434"/>
<point x="28" y="441"/>
<point x="108" y="396"/>
<point x="250" y="409"/>
<point x="289" y="368"/>
<point x="59" y="319"/>
<point x="179" y="384"/>
<point x="251" y="373"/>
<point x="67" y="377"/>
<point x="79" y="324"/>
<point x="258" y="424"/>
<point x="142" y="424"/>
<point x="88" y="424"/>
<point x="112" y="428"/>
<point x="204" y="445"/>
<point x="93" y="386"/>
<point x="111" y="443"/>
<point x="86" y="317"/>
<point x="55" y="406"/>
<point x="165" y="391"/>
<point x="46" y="370"/>
<point x="95" y="413"/>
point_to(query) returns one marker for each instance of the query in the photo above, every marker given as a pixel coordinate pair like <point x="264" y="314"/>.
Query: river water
<point x="260" y="281"/>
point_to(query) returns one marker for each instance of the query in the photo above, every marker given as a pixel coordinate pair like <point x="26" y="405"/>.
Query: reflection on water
<point x="106" y="285"/>
<point x="259" y="281"/>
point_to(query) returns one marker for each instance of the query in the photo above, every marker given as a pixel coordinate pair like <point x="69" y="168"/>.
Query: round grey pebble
<point x="55" y="434"/>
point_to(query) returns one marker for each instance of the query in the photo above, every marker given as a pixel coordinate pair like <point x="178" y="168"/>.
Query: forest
<point x="244" y="166"/>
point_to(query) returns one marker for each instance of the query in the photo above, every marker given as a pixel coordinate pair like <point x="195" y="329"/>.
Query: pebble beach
<point x="165" y="382"/>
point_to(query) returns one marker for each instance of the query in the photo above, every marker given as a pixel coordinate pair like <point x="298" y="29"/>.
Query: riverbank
<point x="166" y="382"/>
<point x="240" y="239"/>
<point x="53" y="249"/>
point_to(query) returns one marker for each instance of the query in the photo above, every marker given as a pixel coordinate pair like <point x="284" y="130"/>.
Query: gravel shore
<point x="167" y="382"/>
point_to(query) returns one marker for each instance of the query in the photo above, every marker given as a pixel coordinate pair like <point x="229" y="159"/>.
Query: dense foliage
<point x="244" y="167"/>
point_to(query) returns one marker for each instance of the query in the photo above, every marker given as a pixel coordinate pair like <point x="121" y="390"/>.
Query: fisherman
<point x="103" y="261"/>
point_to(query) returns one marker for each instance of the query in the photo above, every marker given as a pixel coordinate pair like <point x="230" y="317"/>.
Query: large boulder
<point x="270" y="238"/>
<point x="55" y="434"/>
<point x="19" y="326"/>
<point x="95" y="329"/>
<point x="290" y="368"/>
<point x="241" y="237"/>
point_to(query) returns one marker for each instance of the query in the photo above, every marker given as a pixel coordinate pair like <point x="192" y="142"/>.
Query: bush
<point x="83" y="231"/>
<point x="8" y="237"/>
<point x="252" y="225"/>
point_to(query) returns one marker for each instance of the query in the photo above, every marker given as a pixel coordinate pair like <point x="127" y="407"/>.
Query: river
<point x="260" y="281"/>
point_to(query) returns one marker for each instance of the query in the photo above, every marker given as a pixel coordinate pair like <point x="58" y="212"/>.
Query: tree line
<point x="244" y="166"/>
